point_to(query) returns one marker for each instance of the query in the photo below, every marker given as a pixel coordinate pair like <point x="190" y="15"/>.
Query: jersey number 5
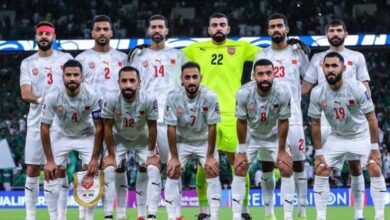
<point x="216" y="59"/>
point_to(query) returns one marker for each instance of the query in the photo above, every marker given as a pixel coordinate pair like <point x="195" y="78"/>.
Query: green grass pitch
<point x="334" y="213"/>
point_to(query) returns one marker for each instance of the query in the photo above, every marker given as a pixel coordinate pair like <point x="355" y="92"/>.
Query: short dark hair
<point x="73" y="63"/>
<point x="129" y="69"/>
<point x="262" y="62"/>
<point x="158" y="17"/>
<point x="277" y="16"/>
<point x="45" y="23"/>
<point x="334" y="54"/>
<point x="190" y="65"/>
<point x="336" y="22"/>
<point x="218" y="15"/>
<point x="100" y="18"/>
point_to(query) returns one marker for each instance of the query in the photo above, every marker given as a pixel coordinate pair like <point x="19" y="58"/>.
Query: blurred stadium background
<point x="186" y="19"/>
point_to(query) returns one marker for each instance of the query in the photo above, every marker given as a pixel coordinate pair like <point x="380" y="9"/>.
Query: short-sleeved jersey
<point x="192" y="116"/>
<point x="354" y="61"/>
<point x="290" y="65"/>
<point x="130" y="118"/>
<point x="101" y="69"/>
<point x="263" y="113"/>
<point x="222" y="68"/>
<point x="73" y="115"/>
<point x="43" y="74"/>
<point x="160" y="73"/>
<point x="344" y="109"/>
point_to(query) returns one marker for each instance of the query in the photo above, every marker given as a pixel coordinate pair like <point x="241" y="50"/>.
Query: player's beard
<point x="102" y="41"/>
<point x="336" y="41"/>
<point x="192" y="90"/>
<point x="157" y="38"/>
<point x="278" y="38"/>
<point x="128" y="94"/>
<point x="72" y="85"/>
<point x="45" y="47"/>
<point x="336" y="79"/>
<point x="264" y="88"/>
<point x="219" y="37"/>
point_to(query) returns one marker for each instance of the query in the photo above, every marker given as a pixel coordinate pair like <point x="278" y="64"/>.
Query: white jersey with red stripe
<point x="101" y="69"/>
<point x="43" y="74"/>
<point x="160" y="72"/>
<point x="290" y="65"/>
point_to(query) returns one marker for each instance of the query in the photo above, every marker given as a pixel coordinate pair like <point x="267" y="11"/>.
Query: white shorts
<point x="62" y="145"/>
<point x="162" y="142"/>
<point x="186" y="151"/>
<point x="122" y="147"/>
<point x="267" y="150"/>
<point x="326" y="130"/>
<point x="338" y="149"/>
<point x="33" y="151"/>
<point x="296" y="142"/>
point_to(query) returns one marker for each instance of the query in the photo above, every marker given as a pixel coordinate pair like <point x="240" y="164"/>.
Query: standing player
<point x="348" y="107"/>
<point x="71" y="107"/>
<point x="191" y="114"/>
<point x="290" y="65"/>
<point x="128" y="112"/>
<point x="38" y="74"/>
<point x="159" y="68"/>
<point x="101" y="65"/>
<point x="222" y="62"/>
<point x="265" y="109"/>
<point x="356" y="67"/>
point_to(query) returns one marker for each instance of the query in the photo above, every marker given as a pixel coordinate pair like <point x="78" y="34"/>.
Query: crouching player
<point x="191" y="114"/>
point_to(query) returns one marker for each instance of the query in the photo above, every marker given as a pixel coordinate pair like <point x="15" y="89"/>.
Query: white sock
<point x="63" y="194"/>
<point x="90" y="213"/>
<point x="82" y="212"/>
<point x="321" y="195"/>
<point x="378" y="193"/>
<point x="238" y="194"/>
<point x="268" y="187"/>
<point x="357" y="188"/>
<point x="300" y="180"/>
<point x="140" y="189"/>
<point x="121" y="193"/>
<point x="171" y="197"/>
<point x="153" y="194"/>
<point x="178" y="201"/>
<point x="214" y="196"/>
<point x="31" y="191"/>
<point x="51" y="197"/>
<point x="109" y="190"/>
<point x="287" y="191"/>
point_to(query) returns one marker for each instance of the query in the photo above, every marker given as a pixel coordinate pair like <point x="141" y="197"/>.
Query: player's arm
<point x="152" y="127"/>
<point x="173" y="167"/>
<point x="93" y="165"/>
<point x="375" y="155"/>
<point x="306" y="87"/>
<point x="28" y="95"/>
<point x="108" y="136"/>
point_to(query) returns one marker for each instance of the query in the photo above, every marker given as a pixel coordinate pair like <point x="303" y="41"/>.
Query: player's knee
<point x="33" y="170"/>
<point x="285" y="170"/>
<point x="121" y="168"/>
<point x="374" y="170"/>
<point x="173" y="175"/>
<point x="210" y="173"/>
<point x="355" y="167"/>
<point x="142" y="168"/>
<point x="241" y="170"/>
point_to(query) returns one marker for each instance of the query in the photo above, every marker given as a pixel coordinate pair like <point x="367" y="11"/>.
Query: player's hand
<point x="93" y="167"/>
<point x="50" y="170"/>
<point x="320" y="162"/>
<point x="211" y="167"/>
<point x="284" y="157"/>
<point x="109" y="160"/>
<point x="300" y="45"/>
<point x="241" y="164"/>
<point x="154" y="160"/>
<point x="173" y="168"/>
<point x="374" y="156"/>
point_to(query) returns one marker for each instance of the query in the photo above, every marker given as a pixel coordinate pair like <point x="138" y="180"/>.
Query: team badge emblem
<point x="173" y="61"/>
<point x="231" y="50"/>
<point x="145" y="64"/>
<point x="91" y="65"/>
<point x="205" y="109"/>
<point x="120" y="64"/>
<point x="35" y="71"/>
<point x="88" y="190"/>
<point x="179" y="111"/>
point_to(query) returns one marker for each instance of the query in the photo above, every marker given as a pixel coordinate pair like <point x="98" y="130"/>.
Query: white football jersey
<point x="344" y="109"/>
<point x="43" y="74"/>
<point x="262" y="113"/>
<point x="290" y="65"/>
<point x="73" y="115"/>
<point x="130" y="118"/>
<point x="192" y="116"/>
<point x="101" y="69"/>
<point x="160" y="72"/>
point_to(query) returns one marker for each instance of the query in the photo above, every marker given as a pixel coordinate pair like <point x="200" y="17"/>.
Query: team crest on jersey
<point x="145" y="64"/>
<point x="350" y="62"/>
<point x="179" y="111"/>
<point x="251" y="107"/>
<point x="205" y="109"/>
<point x="231" y="50"/>
<point x="351" y="102"/>
<point x="324" y="105"/>
<point x="294" y="61"/>
<point x="173" y="61"/>
<point x="60" y="109"/>
<point x="120" y="64"/>
<point x="35" y="71"/>
<point x="91" y="65"/>
<point x="276" y="106"/>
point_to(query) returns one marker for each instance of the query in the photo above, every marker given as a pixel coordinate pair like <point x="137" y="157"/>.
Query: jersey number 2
<point x="107" y="73"/>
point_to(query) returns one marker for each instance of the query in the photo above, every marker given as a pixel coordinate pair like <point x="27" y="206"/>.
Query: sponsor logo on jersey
<point x="179" y="111"/>
<point x="350" y="62"/>
<point x="173" y="61"/>
<point x="324" y="105"/>
<point x="279" y="61"/>
<point x="91" y="65"/>
<point x="251" y="107"/>
<point x="231" y="50"/>
<point x="337" y="102"/>
<point x="294" y="61"/>
<point x="145" y="63"/>
<point x="60" y="109"/>
<point x="35" y="71"/>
